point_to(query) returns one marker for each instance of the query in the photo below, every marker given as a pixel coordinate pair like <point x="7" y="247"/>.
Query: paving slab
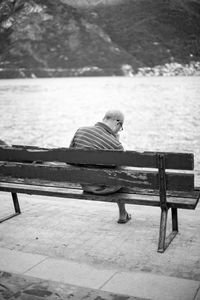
<point x="71" y="272"/>
<point x="153" y="286"/>
<point x="86" y="233"/>
<point x="18" y="287"/>
<point x="140" y="285"/>
<point x="18" y="262"/>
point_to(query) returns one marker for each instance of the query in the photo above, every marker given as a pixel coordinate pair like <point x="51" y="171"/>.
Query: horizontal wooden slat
<point x="127" y="177"/>
<point x="138" y="199"/>
<point x="181" y="161"/>
<point x="71" y="185"/>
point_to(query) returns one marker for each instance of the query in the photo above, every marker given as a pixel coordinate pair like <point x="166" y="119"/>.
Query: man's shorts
<point x="100" y="189"/>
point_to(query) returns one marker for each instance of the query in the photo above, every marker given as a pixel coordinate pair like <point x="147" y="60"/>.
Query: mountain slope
<point x="42" y="38"/>
<point x="49" y="38"/>
<point x="155" y="32"/>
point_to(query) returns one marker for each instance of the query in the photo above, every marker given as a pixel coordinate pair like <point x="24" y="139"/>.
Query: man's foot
<point x="124" y="220"/>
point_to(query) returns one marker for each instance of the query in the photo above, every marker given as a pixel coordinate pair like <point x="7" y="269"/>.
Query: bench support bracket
<point x="164" y="241"/>
<point x="16" y="207"/>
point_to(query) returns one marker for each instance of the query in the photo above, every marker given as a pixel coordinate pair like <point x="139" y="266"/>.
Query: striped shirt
<point x="99" y="137"/>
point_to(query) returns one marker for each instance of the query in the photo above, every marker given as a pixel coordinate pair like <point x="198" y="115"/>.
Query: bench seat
<point x="66" y="190"/>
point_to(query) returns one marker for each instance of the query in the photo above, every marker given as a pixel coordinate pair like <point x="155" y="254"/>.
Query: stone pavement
<point x="61" y="249"/>
<point x="18" y="287"/>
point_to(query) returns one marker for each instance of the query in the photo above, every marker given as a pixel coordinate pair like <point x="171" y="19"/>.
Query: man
<point x="104" y="135"/>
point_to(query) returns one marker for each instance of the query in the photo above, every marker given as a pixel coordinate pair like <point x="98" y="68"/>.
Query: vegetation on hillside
<point x="154" y="32"/>
<point x="145" y="37"/>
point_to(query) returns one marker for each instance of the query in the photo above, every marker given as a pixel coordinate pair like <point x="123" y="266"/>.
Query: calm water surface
<point x="161" y="113"/>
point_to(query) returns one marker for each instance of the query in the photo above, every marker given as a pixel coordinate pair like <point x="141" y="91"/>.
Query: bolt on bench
<point x="148" y="178"/>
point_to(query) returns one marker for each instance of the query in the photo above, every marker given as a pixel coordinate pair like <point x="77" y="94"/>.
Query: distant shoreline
<point x="91" y="3"/>
<point x="170" y="69"/>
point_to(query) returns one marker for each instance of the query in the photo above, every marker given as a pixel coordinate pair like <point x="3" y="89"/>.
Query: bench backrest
<point x="144" y="170"/>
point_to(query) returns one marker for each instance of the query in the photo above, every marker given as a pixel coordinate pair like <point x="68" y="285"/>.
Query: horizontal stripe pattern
<point x="95" y="137"/>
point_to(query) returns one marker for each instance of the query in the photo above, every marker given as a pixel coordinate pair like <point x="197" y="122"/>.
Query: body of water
<point x="161" y="113"/>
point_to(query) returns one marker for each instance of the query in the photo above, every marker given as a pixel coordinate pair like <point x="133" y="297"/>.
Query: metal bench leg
<point x="163" y="241"/>
<point x="16" y="206"/>
<point x="16" y="203"/>
<point x="174" y="219"/>
<point x="163" y="228"/>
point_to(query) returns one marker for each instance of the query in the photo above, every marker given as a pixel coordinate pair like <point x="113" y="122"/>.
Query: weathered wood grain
<point x="126" y="177"/>
<point x="73" y="185"/>
<point x="181" y="161"/>
<point x="137" y="199"/>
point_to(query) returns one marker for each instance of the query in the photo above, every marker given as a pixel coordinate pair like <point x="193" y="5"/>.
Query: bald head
<point x="114" y="115"/>
<point x="114" y="119"/>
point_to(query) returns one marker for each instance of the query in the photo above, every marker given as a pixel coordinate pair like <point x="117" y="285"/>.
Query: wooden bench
<point x="149" y="178"/>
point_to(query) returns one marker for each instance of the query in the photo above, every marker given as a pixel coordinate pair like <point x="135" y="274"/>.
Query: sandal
<point x="123" y="221"/>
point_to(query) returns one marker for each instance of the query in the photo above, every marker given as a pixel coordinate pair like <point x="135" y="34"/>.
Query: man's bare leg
<point x="124" y="217"/>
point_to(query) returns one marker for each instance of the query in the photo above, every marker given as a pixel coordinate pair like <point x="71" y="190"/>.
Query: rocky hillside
<point x="49" y="38"/>
<point x="153" y="31"/>
<point x="42" y="38"/>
